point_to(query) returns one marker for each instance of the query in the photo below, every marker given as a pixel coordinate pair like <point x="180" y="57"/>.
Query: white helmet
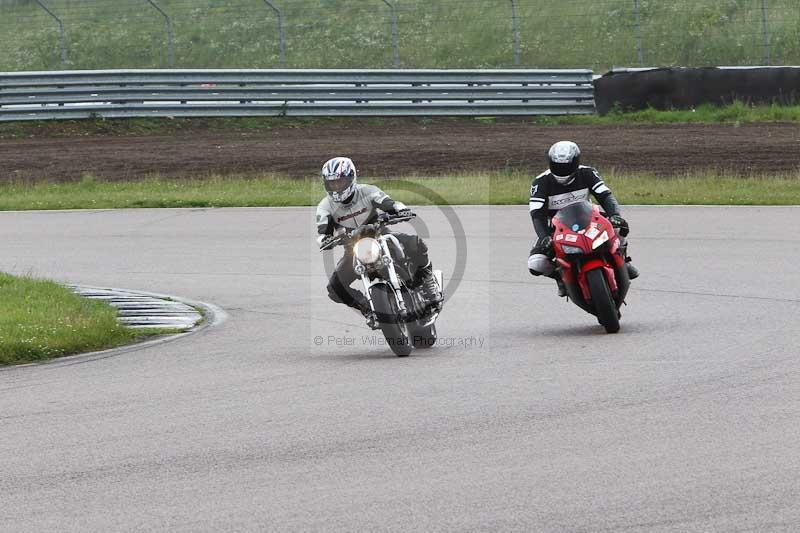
<point x="564" y="158"/>
<point x="339" y="176"/>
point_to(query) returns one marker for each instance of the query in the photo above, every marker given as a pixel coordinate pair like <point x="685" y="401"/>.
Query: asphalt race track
<point x="526" y="417"/>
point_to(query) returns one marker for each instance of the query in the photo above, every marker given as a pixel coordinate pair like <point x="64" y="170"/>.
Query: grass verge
<point x="489" y="188"/>
<point x="41" y="320"/>
<point x="431" y="33"/>
<point x="735" y="114"/>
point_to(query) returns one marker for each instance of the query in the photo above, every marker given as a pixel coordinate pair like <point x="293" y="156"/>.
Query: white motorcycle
<point x="401" y="312"/>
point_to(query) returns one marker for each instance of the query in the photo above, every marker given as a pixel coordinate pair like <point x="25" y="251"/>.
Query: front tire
<point x="602" y="301"/>
<point x="395" y="331"/>
<point x="424" y="336"/>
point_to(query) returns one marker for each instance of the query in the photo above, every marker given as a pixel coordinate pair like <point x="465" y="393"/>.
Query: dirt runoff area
<point x="396" y="147"/>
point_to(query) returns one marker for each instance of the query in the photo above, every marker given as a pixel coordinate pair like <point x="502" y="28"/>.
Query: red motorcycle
<point x="591" y="260"/>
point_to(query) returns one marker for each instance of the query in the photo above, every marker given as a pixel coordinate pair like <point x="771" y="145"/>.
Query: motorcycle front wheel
<point x="602" y="301"/>
<point x="394" y="330"/>
<point x="423" y="336"/>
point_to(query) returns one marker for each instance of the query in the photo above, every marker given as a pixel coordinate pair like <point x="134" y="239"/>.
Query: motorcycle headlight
<point x="367" y="250"/>
<point x="571" y="249"/>
<point x="600" y="240"/>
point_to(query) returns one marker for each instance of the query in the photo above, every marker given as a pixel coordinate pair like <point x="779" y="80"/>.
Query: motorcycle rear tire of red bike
<point x="603" y="303"/>
<point x="386" y="309"/>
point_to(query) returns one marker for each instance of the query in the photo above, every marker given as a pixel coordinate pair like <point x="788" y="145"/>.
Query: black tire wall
<point x="685" y="88"/>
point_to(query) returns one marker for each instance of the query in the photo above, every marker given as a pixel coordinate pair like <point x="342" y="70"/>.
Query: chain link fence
<point x="597" y="34"/>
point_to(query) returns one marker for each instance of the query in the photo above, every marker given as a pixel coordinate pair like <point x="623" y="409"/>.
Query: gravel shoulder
<point x="401" y="147"/>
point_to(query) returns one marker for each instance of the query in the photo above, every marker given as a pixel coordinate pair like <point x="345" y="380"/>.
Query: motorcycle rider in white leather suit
<point x="350" y="205"/>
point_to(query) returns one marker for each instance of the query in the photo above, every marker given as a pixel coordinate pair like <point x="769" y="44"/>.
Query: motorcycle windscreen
<point x="578" y="214"/>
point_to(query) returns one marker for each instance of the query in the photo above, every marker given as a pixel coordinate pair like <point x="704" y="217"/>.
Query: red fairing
<point x="583" y="238"/>
<point x="590" y="258"/>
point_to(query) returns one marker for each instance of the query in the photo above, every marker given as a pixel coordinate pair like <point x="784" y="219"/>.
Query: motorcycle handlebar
<point x="383" y="220"/>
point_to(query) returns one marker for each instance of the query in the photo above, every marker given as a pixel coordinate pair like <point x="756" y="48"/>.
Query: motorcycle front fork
<point x="394" y="282"/>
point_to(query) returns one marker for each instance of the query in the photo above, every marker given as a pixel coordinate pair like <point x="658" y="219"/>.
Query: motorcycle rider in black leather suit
<point x="564" y="183"/>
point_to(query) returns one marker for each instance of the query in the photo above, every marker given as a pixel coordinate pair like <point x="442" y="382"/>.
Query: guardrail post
<point x="62" y="41"/>
<point x="170" y="34"/>
<point x="515" y="30"/>
<point x="395" y="36"/>
<point x="765" y="33"/>
<point x="281" y="36"/>
<point x="638" y="26"/>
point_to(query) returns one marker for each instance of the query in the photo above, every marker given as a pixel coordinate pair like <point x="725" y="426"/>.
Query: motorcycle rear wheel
<point x="603" y="303"/>
<point x="395" y="331"/>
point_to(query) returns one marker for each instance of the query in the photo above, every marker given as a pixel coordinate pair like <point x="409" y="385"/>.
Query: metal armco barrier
<point x="209" y="93"/>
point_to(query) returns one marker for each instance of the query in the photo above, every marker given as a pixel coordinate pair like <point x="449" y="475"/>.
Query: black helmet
<point x="564" y="158"/>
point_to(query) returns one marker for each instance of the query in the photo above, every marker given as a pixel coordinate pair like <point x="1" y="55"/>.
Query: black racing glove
<point x="327" y="242"/>
<point x="405" y="213"/>
<point x="620" y="223"/>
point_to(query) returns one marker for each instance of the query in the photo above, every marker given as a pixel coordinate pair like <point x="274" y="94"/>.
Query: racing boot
<point x="363" y="306"/>
<point x="633" y="272"/>
<point x="371" y="318"/>
<point x="562" y="289"/>
<point x="430" y="287"/>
